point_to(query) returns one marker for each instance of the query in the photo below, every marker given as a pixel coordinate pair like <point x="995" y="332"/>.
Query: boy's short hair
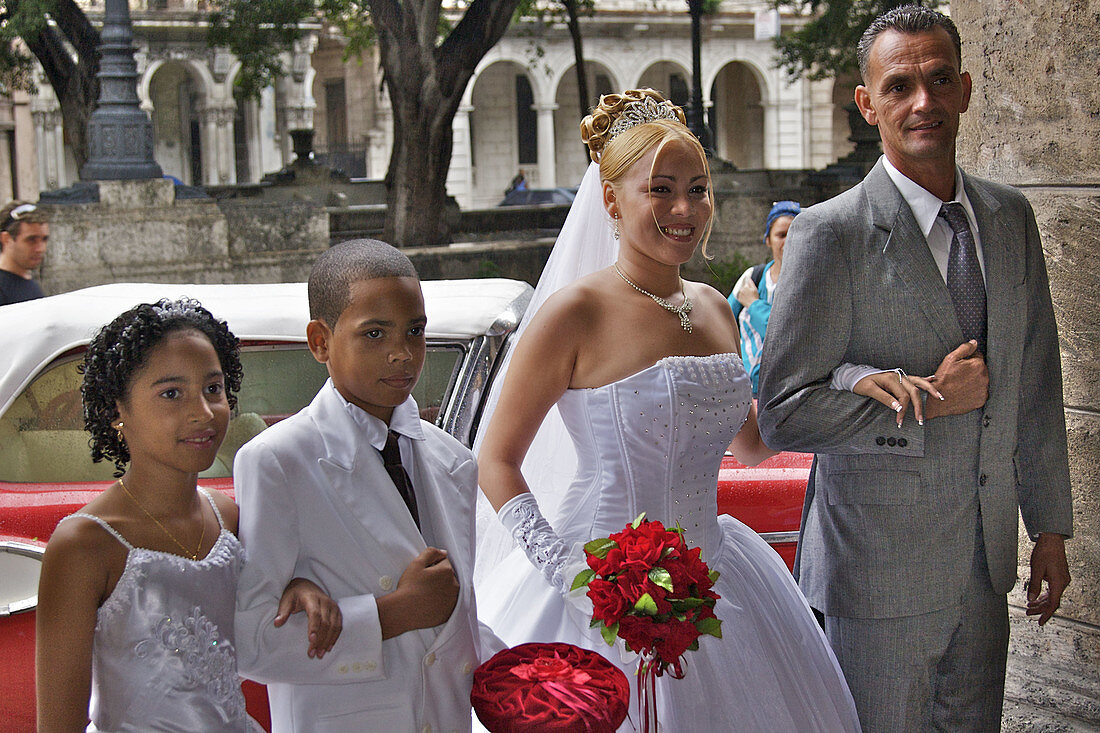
<point x="348" y="262"/>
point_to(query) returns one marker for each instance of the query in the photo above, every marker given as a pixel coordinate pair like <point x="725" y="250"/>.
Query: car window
<point x="42" y="437"/>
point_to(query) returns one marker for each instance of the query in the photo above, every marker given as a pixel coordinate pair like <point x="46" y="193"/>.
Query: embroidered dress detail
<point x="163" y="657"/>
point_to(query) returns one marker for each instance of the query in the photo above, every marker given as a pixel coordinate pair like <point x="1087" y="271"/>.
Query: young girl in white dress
<point x="644" y="372"/>
<point x="137" y="591"/>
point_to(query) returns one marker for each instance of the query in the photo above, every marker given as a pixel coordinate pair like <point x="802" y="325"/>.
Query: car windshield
<point x="42" y="437"/>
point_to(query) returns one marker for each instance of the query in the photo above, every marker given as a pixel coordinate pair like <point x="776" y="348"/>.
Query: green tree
<point x="825" y="47"/>
<point x="60" y="36"/>
<point x="570" y="12"/>
<point x="427" y="60"/>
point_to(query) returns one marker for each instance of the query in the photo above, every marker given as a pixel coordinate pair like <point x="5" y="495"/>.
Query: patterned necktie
<point x="964" y="276"/>
<point x="391" y="458"/>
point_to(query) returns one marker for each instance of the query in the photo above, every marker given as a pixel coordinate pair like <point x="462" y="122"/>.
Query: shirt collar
<point x="926" y="205"/>
<point x="405" y="420"/>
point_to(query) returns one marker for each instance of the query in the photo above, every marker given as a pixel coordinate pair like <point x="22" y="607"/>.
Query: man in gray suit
<point x="909" y="532"/>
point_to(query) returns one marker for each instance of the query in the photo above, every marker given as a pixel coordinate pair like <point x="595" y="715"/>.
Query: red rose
<point x="637" y="632"/>
<point x="608" y="565"/>
<point x="608" y="604"/>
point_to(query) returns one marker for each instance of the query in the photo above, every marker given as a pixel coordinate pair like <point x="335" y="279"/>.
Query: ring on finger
<point x="901" y="375"/>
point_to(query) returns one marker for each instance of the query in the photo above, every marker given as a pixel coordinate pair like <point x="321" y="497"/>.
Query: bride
<point x="644" y="372"/>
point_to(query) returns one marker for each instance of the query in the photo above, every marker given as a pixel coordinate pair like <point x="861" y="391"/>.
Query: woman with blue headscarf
<point x="754" y="291"/>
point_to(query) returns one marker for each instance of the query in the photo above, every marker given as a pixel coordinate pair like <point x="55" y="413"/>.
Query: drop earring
<point x="615" y="227"/>
<point x="118" y="429"/>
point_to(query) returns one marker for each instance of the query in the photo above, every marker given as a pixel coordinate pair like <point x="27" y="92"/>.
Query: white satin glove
<point x="557" y="562"/>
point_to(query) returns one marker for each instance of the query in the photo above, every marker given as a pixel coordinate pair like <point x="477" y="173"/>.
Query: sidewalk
<point x="1053" y="681"/>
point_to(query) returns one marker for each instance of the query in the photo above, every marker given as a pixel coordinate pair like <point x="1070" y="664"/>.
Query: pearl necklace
<point x="681" y="310"/>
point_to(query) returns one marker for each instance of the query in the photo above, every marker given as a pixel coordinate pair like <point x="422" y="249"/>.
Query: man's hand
<point x="1048" y="562"/>
<point x="425" y="596"/>
<point x="325" y="620"/>
<point x="962" y="379"/>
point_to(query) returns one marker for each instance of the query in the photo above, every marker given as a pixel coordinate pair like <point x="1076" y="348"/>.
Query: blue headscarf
<point x="780" y="208"/>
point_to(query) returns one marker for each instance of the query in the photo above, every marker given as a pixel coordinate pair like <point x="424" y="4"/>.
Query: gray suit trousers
<point x="938" y="671"/>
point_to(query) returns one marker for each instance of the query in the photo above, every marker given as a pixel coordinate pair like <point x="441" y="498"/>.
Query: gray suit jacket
<point x="889" y="528"/>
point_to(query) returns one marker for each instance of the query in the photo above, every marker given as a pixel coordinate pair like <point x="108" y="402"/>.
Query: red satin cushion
<point x="556" y="688"/>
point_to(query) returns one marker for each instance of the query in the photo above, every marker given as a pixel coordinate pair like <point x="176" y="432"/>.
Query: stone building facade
<point x="520" y="111"/>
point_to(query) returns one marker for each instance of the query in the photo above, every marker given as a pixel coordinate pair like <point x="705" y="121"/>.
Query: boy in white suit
<point x="324" y="495"/>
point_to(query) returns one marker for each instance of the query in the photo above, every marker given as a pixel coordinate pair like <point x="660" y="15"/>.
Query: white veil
<point x="584" y="245"/>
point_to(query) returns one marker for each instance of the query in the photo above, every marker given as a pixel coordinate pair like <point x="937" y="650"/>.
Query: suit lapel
<point x="905" y="249"/>
<point x="358" y="480"/>
<point x="1002" y="257"/>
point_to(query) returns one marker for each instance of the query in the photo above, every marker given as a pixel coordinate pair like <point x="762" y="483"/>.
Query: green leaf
<point x="714" y="575"/>
<point x="600" y="546"/>
<point x="661" y="577"/>
<point x="711" y="626"/>
<point x="646" y="605"/>
<point x="638" y="521"/>
<point x="582" y="578"/>
<point x="609" y="633"/>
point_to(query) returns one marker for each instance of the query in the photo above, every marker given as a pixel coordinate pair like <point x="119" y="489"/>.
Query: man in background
<point x="24" y="233"/>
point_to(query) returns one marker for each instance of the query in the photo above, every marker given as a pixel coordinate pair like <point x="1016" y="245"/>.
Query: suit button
<point x="891" y="441"/>
<point x="385" y="582"/>
<point x="343" y="669"/>
<point x="357" y="667"/>
<point x="427" y="728"/>
<point x="981" y="480"/>
<point x="902" y="442"/>
<point x="430" y="659"/>
<point x="985" y="421"/>
<point x="371" y="666"/>
<point x="880" y="440"/>
<point x="467" y="668"/>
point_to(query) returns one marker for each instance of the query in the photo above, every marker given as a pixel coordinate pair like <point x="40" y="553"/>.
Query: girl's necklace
<point x="681" y="310"/>
<point x="202" y="535"/>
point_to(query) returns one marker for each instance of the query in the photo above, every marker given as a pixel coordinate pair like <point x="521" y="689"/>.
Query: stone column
<point x="548" y="160"/>
<point x="208" y="117"/>
<point x="1033" y="123"/>
<point x="226" y="151"/>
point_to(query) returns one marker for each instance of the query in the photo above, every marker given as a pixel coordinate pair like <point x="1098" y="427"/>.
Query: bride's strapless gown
<point x="653" y="442"/>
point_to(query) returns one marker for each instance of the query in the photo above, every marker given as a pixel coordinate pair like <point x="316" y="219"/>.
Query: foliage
<point x="26" y="19"/>
<point x="724" y="273"/>
<point x="825" y="47"/>
<point x="258" y="32"/>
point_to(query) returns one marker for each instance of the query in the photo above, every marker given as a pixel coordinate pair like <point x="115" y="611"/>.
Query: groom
<point x="909" y="536"/>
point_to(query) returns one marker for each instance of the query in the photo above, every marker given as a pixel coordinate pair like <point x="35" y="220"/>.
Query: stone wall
<point x="1034" y="122"/>
<point x="139" y="232"/>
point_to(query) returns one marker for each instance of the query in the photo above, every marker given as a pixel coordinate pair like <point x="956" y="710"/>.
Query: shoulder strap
<point x="758" y="273"/>
<point x="214" y="506"/>
<point x="113" y="532"/>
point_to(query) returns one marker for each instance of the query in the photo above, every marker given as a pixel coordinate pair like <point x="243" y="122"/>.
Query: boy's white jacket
<point x="309" y="508"/>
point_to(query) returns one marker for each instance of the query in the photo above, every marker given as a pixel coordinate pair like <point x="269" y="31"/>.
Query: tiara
<point x="640" y="112"/>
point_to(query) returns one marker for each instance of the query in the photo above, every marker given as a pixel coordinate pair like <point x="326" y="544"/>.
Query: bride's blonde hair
<point x="623" y="128"/>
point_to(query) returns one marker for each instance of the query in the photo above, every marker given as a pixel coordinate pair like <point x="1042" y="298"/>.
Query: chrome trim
<point x="34" y="552"/>
<point x="779" y="538"/>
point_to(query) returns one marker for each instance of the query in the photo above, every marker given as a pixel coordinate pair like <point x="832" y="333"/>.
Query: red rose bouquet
<point x="652" y="591"/>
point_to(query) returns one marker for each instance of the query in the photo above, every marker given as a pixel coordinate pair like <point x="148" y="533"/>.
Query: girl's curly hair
<point x="123" y="346"/>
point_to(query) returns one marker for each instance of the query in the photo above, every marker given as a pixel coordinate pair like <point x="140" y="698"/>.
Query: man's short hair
<point x="17" y="213"/>
<point x="908" y="19"/>
<point x="346" y="263"/>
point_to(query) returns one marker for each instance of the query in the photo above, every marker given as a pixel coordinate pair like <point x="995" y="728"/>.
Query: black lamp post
<point x="696" y="119"/>
<point x="120" y="134"/>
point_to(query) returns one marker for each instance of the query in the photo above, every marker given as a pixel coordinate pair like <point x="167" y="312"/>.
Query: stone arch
<point x="669" y="78"/>
<point x="737" y="120"/>
<point x="503" y="137"/>
<point x="572" y="160"/>
<point x="177" y="94"/>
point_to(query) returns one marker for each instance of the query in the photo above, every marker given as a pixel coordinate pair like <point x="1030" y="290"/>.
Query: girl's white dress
<point x="163" y="657"/>
<point x="653" y="442"/>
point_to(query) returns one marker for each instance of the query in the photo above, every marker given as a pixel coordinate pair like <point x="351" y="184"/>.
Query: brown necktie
<point x="391" y="458"/>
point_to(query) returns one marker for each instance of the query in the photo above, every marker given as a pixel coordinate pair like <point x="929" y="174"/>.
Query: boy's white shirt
<point x="316" y="502"/>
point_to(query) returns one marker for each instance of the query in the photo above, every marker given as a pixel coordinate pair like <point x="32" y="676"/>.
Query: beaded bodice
<point x="653" y="442"/>
<point x="163" y="657"/>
